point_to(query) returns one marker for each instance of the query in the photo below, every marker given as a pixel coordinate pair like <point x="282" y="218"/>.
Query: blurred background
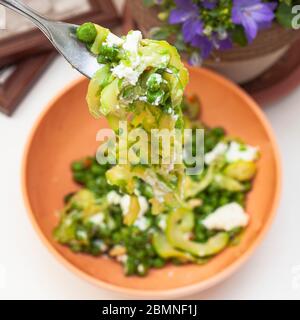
<point x="31" y="74"/>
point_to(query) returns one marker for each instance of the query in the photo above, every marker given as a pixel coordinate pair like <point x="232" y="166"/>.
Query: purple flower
<point x="187" y="13"/>
<point x="252" y="15"/>
<point x="204" y="44"/>
<point x="209" y="4"/>
<point x="207" y="45"/>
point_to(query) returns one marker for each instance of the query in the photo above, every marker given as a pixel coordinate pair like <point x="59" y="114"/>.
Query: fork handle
<point x="32" y="15"/>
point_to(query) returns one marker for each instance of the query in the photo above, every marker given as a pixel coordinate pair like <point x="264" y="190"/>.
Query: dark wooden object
<point x="33" y="41"/>
<point x="21" y="80"/>
<point x="280" y="80"/>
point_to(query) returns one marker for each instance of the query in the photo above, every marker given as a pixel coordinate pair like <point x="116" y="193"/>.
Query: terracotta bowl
<point x="66" y="132"/>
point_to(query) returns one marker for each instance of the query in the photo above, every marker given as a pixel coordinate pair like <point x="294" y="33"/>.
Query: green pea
<point x="75" y="206"/>
<point x="97" y="170"/>
<point x="140" y="240"/>
<point x="75" y="247"/>
<point x="155" y="97"/>
<point x="108" y="54"/>
<point x="200" y="232"/>
<point x="68" y="197"/>
<point x="101" y="182"/>
<point x="104" y="232"/>
<point x="95" y="248"/>
<point x="213" y="200"/>
<point x="108" y="51"/>
<point x="154" y="82"/>
<point x="130" y="266"/>
<point x="117" y="237"/>
<point x="147" y="190"/>
<point x="129" y="93"/>
<point x="158" y="263"/>
<point x="212" y="188"/>
<point x="79" y="177"/>
<point x="240" y="198"/>
<point x="206" y="209"/>
<point x="209" y="143"/>
<point x="248" y="186"/>
<point x="90" y="184"/>
<point x="140" y="254"/>
<point x="77" y="166"/>
<point x="125" y="233"/>
<point x="81" y="235"/>
<point x="87" y="32"/>
<point x="218" y="132"/>
<point x="129" y="248"/>
<point x="223" y="201"/>
<point x="102" y="60"/>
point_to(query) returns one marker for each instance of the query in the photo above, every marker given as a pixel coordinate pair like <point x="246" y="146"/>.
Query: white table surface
<point x="29" y="271"/>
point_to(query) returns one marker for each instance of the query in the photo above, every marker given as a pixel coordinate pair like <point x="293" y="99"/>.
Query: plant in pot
<point x="239" y="38"/>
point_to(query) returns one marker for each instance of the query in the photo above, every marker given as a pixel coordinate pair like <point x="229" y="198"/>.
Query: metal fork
<point x="62" y="36"/>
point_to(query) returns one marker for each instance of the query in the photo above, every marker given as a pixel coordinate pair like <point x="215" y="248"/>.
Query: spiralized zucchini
<point x="147" y="215"/>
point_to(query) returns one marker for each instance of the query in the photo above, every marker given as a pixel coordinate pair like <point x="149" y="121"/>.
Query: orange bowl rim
<point x="170" y="293"/>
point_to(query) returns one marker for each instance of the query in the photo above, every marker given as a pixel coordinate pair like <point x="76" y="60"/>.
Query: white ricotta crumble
<point x="130" y="72"/>
<point x="101" y="245"/>
<point x="123" y="258"/>
<point x="143" y="98"/>
<point x="162" y="222"/>
<point x="122" y="71"/>
<point x="112" y="40"/>
<point x="234" y="152"/>
<point x="132" y="42"/>
<point x="226" y="218"/>
<point x="141" y="268"/>
<point x="237" y="151"/>
<point x="219" y="149"/>
<point x="125" y="204"/>
<point x="82" y="234"/>
<point x="97" y="219"/>
<point x="142" y="223"/>
<point x="114" y="198"/>
<point x="155" y="77"/>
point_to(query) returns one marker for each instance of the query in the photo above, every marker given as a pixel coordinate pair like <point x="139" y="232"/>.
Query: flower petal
<point x="191" y="28"/>
<point x="250" y="28"/>
<point x="209" y="4"/>
<point x="225" y="44"/>
<point x="204" y="44"/>
<point x="179" y="16"/>
<point x="184" y="3"/>
<point x="185" y="9"/>
<point x="262" y="14"/>
<point x="236" y="15"/>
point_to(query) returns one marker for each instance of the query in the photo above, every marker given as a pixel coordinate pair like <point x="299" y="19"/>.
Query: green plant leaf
<point x="284" y="15"/>
<point x="179" y="43"/>
<point x="160" y="33"/>
<point x="148" y="3"/>
<point x="239" y="36"/>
